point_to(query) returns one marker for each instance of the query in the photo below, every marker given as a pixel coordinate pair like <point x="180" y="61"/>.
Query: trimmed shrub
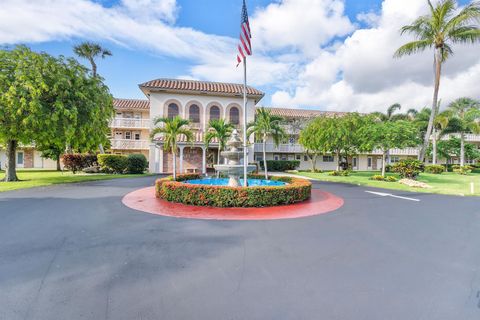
<point x="296" y="190"/>
<point x="391" y="179"/>
<point x="408" y="168"/>
<point x="377" y="177"/>
<point x="113" y="163"/>
<point x="136" y="163"/>
<point x="280" y="165"/>
<point x="462" y="170"/>
<point x="344" y="173"/>
<point x="435" y="169"/>
<point x="78" y="162"/>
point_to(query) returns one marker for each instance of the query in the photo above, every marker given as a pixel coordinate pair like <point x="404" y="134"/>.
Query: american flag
<point x="244" y="46"/>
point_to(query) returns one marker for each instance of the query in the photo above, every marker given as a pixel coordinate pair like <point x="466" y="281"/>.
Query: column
<point x="204" y="160"/>
<point x="157" y="159"/>
<point x="181" y="159"/>
<point x="161" y="160"/>
<point x="151" y="158"/>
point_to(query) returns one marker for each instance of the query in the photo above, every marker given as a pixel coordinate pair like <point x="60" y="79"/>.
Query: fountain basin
<point x="224" y="182"/>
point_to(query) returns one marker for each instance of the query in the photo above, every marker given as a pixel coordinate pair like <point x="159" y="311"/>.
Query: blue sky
<point x="321" y="54"/>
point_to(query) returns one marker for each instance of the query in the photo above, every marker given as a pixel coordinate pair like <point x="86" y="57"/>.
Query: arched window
<point x="214" y="113"/>
<point x="234" y="115"/>
<point x="172" y="111"/>
<point x="194" y="113"/>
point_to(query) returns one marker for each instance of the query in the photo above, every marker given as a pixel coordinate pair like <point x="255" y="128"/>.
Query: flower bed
<point x="297" y="190"/>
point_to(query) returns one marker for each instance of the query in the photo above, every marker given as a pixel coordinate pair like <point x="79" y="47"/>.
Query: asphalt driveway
<point x="75" y="252"/>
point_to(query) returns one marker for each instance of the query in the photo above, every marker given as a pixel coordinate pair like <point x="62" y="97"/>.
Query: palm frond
<point x="413" y="47"/>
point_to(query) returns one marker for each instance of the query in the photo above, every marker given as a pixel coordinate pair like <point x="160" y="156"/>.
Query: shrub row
<point x="281" y="165"/>
<point x="78" y="162"/>
<point x="114" y="163"/>
<point x="462" y="170"/>
<point x="344" y="173"/>
<point x="296" y="190"/>
<point x="408" y="168"/>
<point x="379" y="177"/>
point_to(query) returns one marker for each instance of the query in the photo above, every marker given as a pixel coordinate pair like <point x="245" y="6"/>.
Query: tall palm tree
<point x="439" y="126"/>
<point x="220" y="130"/>
<point x="266" y="125"/>
<point x="91" y="51"/>
<point x="171" y="130"/>
<point x="389" y="115"/>
<point x="439" y="30"/>
<point x="464" y="117"/>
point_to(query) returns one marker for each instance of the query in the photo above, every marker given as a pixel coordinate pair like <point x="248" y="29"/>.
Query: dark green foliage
<point x="464" y="170"/>
<point x="281" y="165"/>
<point x="113" y="163"/>
<point x="136" y="163"/>
<point x="297" y="190"/>
<point x="435" y="169"/>
<point x="78" y="162"/>
<point x="408" y="168"/>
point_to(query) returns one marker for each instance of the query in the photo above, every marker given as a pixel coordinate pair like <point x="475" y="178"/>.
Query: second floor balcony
<point x="130" y="123"/>
<point x="127" y="144"/>
<point x="281" y="148"/>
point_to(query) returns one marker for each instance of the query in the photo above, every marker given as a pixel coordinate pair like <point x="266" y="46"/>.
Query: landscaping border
<point x="297" y="190"/>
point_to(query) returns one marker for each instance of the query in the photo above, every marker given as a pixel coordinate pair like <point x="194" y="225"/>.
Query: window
<point x="172" y="111"/>
<point x="354" y="162"/>
<point x="394" y="159"/>
<point x="214" y="113"/>
<point x="234" y="115"/>
<point x="20" y="158"/>
<point x="136" y="135"/>
<point x="128" y="115"/>
<point x="328" y="159"/>
<point x="128" y="135"/>
<point x="305" y="158"/>
<point x="369" y="162"/>
<point x="276" y="157"/>
<point x="118" y="135"/>
<point x="284" y="157"/>
<point x="258" y="157"/>
<point x="194" y="113"/>
<point x="137" y="115"/>
<point x="298" y="157"/>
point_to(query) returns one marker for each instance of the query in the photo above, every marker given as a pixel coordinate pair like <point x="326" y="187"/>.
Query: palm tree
<point x="439" y="30"/>
<point x="390" y="115"/>
<point x="439" y="126"/>
<point x="220" y="130"/>
<point x="464" y="117"/>
<point x="266" y="125"/>
<point x="91" y="51"/>
<point x="171" y="130"/>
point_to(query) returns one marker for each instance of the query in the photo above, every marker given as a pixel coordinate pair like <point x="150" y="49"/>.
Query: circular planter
<point x="297" y="190"/>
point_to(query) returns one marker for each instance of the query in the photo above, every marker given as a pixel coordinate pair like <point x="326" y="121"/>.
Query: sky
<point x="332" y="55"/>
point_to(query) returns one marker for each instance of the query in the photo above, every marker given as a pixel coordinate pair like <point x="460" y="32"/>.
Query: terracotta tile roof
<point x="137" y="104"/>
<point x="303" y="113"/>
<point x="200" y="86"/>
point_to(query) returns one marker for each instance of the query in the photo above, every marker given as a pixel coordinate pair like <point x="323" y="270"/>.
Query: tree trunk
<point x="338" y="161"/>
<point x="94" y="68"/>
<point x="434" y="147"/>
<point x="10" y="165"/>
<point x="218" y="156"/>
<point x="265" y="157"/>
<point x="438" y="73"/>
<point x="313" y="159"/>
<point x="174" y="165"/>
<point x="462" y="149"/>
<point x="100" y="147"/>
<point x="384" y="160"/>
<point x="59" y="167"/>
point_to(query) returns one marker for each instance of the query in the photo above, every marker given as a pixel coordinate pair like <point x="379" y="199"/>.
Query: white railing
<point x="398" y="152"/>
<point x="125" y="144"/>
<point x="468" y="137"/>
<point x="130" y="123"/>
<point x="281" y="148"/>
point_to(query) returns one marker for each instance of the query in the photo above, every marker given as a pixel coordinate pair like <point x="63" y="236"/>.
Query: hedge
<point x="297" y="190"/>
<point x="435" y="169"/>
<point x="281" y="165"/>
<point x="112" y="163"/>
<point x="408" y="168"/>
<point x="78" y="162"/>
<point x="136" y="163"/>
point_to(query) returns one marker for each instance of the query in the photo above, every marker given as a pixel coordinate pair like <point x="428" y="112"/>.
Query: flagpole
<point x="245" y="154"/>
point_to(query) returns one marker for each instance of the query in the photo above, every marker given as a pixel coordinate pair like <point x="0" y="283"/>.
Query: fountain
<point x="233" y="168"/>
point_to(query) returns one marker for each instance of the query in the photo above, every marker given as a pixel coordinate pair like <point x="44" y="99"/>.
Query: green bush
<point x="462" y="170"/>
<point x="296" y="190"/>
<point x="280" y="165"/>
<point x="408" y="168"/>
<point x="435" y="169"/>
<point x="113" y="163"/>
<point x="136" y="163"/>
<point x="391" y="179"/>
<point x="78" y="162"/>
<point x="344" y="173"/>
<point x="377" y="177"/>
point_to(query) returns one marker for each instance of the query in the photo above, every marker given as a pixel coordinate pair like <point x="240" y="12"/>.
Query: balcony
<point x="398" y="152"/>
<point x="124" y="144"/>
<point x="468" y="137"/>
<point x="130" y="123"/>
<point x="281" y="148"/>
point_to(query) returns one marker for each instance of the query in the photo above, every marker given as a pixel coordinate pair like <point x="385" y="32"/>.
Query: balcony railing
<point x="398" y="152"/>
<point x="281" y="148"/>
<point x="468" y="137"/>
<point x="130" y="123"/>
<point x="125" y="144"/>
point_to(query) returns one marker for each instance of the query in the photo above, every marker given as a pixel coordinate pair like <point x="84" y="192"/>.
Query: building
<point x="200" y="101"/>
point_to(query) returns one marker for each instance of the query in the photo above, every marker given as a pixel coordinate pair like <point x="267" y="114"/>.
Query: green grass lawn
<point x="445" y="183"/>
<point x="39" y="178"/>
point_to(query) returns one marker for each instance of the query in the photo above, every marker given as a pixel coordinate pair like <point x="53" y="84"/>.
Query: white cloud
<point x="299" y="48"/>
